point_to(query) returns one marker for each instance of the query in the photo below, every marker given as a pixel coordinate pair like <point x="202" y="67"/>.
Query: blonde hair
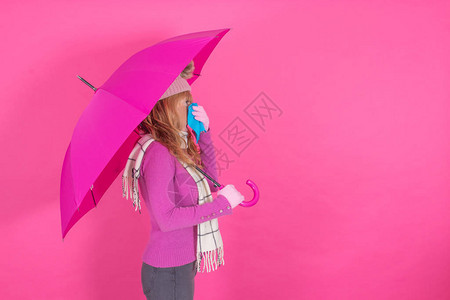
<point x="163" y="123"/>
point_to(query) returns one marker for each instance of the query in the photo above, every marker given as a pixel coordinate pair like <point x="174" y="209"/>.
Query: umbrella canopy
<point x="105" y="133"/>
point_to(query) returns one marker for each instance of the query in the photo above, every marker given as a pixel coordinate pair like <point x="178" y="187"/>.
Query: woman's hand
<point x="232" y="194"/>
<point x="200" y="115"/>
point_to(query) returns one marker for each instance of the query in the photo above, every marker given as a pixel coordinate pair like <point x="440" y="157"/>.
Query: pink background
<point x="354" y="174"/>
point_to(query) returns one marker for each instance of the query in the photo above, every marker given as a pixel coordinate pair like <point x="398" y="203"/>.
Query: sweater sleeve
<point x="158" y="173"/>
<point x="208" y="156"/>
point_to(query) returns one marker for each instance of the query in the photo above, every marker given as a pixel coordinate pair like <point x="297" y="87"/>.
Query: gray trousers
<point x="169" y="283"/>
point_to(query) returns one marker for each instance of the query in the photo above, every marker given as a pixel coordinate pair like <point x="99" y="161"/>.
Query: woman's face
<point x="182" y="110"/>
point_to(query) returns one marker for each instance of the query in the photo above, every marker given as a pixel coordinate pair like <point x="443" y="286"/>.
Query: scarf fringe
<point x="214" y="259"/>
<point x="132" y="192"/>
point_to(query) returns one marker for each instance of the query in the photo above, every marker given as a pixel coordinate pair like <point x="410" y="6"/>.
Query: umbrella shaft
<point x="209" y="177"/>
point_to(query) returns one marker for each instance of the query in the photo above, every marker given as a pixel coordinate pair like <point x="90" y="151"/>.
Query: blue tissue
<point x="195" y="125"/>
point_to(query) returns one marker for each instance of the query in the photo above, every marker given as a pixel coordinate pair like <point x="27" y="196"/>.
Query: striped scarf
<point x="209" y="239"/>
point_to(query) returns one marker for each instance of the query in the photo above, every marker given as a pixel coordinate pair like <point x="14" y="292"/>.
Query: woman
<point x="172" y="191"/>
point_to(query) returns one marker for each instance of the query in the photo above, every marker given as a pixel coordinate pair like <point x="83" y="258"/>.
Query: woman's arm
<point x="158" y="171"/>
<point x="208" y="156"/>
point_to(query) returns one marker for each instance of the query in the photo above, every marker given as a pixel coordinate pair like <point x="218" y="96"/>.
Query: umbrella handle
<point x="255" y="194"/>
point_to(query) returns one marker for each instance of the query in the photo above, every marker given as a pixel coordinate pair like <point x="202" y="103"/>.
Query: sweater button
<point x="214" y="214"/>
<point x="221" y="211"/>
<point x="228" y="207"/>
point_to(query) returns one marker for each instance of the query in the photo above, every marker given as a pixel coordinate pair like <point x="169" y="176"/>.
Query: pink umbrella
<point x="105" y="133"/>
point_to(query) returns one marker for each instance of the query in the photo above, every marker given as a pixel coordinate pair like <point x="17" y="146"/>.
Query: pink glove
<point x="233" y="196"/>
<point x="199" y="114"/>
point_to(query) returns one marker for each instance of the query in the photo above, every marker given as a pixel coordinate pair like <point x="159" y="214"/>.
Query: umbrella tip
<point x="87" y="83"/>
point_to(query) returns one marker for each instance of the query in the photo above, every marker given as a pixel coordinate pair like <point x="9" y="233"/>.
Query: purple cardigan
<point x="171" y="197"/>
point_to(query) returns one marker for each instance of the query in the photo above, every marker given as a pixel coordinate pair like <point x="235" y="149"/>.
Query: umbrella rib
<point x="92" y="192"/>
